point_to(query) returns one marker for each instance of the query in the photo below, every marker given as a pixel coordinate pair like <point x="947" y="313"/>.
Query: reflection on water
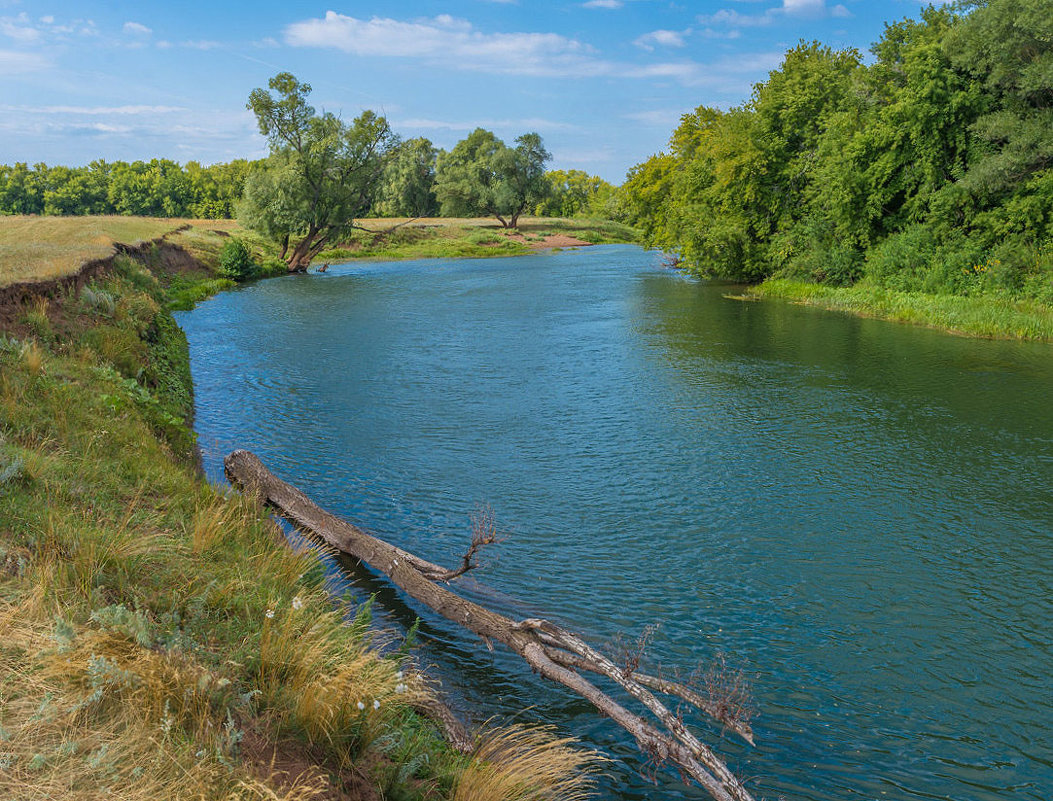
<point x="859" y="511"/>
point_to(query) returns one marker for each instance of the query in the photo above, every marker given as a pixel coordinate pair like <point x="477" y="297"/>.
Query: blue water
<point x="859" y="514"/>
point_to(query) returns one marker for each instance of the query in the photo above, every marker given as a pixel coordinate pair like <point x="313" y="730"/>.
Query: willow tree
<point x="321" y="175"/>
<point x="483" y="176"/>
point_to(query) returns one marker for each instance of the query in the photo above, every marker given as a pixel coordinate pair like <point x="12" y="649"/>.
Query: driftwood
<point x="553" y="652"/>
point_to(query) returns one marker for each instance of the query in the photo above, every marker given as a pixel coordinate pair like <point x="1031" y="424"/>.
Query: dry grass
<point x="522" y="763"/>
<point x="87" y="712"/>
<point x="40" y="248"/>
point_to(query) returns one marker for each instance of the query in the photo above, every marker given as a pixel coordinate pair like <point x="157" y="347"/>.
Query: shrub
<point x="235" y="260"/>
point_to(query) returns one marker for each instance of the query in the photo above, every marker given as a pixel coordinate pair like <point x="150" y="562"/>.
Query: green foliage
<point x="236" y="262"/>
<point x="407" y="187"/>
<point x="157" y="188"/>
<point x="482" y="176"/>
<point x="322" y="172"/>
<point x="927" y="170"/>
<point x="575" y="193"/>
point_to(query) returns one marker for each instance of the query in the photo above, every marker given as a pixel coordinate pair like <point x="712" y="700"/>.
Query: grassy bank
<point x="983" y="316"/>
<point x="454" y="238"/>
<point x="158" y="638"/>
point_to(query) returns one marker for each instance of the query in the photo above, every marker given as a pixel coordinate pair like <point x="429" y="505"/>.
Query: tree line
<point x="392" y="177"/>
<point x="928" y="169"/>
<point x="155" y="188"/>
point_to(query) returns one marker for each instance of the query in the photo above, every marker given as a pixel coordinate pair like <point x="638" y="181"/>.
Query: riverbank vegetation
<point x="925" y="172"/>
<point x="158" y="637"/>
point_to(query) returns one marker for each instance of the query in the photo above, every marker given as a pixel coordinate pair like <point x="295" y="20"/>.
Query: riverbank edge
<point x="95" y="429"/>
<point x="984" y="317"/>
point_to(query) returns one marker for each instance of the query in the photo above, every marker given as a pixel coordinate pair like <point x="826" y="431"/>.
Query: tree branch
<point x="553" y="652"/>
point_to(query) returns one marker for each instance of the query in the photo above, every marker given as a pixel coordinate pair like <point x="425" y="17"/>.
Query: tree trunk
<point x="554" y="652"/>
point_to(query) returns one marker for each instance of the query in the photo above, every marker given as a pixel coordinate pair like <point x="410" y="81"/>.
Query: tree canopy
<point x="481" y="176"/>
<point x="928" y="169"/>
<point x="321" y="175"/>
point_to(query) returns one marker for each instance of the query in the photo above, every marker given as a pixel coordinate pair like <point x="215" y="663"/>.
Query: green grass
<point x="158" y="637"/>
<point x="983" y="316"/>
<point x="457" y="238"/>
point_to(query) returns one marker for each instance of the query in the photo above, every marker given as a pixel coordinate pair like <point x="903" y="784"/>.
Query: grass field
<point x="984" y="316"/>
<point x="41" y="248"/>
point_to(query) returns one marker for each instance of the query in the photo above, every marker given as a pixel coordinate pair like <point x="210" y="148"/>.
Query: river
<point x="858" y="514"/>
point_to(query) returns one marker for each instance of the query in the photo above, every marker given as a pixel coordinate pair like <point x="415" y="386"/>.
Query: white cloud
<point x="657" y="118"/>
<point x="455" y="44"/>
<point x="19" y="29"/>
<point x="136" y="29"/>
<point x="662" y="38"/>
<point x="14" y="61"/>
<point x="527" y="124"/>
<point x="790" y="8"/>
<point x="813" y="8"/>
<point x="603" y="4"/>
<point x="92" y="110"/>
<point x="201" y="44"/>
<point x="450" y="41"/>
<point x="733" y="19"/>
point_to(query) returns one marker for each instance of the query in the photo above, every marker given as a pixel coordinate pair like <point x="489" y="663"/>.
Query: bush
<point x="235" y="260"/>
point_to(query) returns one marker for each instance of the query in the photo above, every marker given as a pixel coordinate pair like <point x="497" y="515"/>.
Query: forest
<point x="926" y="168"/>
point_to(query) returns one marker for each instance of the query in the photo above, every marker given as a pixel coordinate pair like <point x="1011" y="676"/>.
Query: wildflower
<point x="360" y="706"/>
<point x="398" y="675"/>
<point x="400" y="688"/>
<point x="376" y="705"/>
<point x="297" y="603"/>
<point x="270" y="614"/>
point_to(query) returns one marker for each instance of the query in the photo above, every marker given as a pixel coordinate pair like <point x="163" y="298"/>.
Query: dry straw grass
<point x="522" y="763"/>
<point x="88" y="712"/>
<point x="39" y="248"/>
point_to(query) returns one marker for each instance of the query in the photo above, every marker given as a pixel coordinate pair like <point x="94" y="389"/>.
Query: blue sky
<point x="603" y="81"/>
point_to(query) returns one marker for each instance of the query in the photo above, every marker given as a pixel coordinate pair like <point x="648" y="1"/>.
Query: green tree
<point x="321" y="175"/>
<point x="483" y="176"/>
<point x="407" y="188"/>
<point x="574" y="193"/>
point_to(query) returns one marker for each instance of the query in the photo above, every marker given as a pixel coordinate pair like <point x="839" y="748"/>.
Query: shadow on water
<point x="857" y="511"/>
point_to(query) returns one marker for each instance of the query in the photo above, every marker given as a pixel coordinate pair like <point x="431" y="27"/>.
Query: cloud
<point x="201" y="44"/>
<point x="19" y="29"/>
<point x="527" y="124"/>
<point x="603" y="4"/>
<point x="811" y="8"/>
<point x="450" y="41"/>
<point x="805" y="9"/>
<point x="733" y="19"/>
<point x="657" y="118"/>
<point x="453" y="43"/>
<point x="662" y="38"/>
<point x="15" y="61"/>
<point x="92" y="110"/>
<point x="136" y="29"/>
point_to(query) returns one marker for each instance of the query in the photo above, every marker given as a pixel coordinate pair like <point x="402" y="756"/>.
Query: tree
<point x="408" y="185"/>
<point x="483" y="176"/>
<point x="322" y="173"/>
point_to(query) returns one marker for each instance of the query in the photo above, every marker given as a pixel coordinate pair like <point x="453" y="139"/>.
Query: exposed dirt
<point x="52" y="296"/>
<point x="549" y="241"/>
<point x="286" y="764"/>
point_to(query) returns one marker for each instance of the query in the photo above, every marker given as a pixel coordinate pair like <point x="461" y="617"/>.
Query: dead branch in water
<point x="550" y="650"/>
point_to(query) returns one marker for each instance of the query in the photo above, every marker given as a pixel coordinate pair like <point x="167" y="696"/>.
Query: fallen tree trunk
<point x="553" y="652"/>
